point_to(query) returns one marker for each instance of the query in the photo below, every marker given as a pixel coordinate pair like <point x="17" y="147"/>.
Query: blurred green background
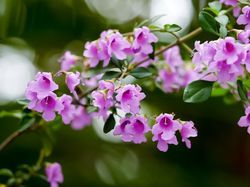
<point x="34" y="33"/>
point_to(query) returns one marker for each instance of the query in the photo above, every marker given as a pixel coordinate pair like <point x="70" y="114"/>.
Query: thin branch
<point x="14" y="135"/>
<point x="10" y="139"/>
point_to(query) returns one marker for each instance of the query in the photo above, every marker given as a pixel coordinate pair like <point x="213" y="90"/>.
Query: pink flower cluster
<point x="134" y="126"/>
<point x="222" y="60"/>
<point x="127" y="98"/>
<point x="112" y="43"/>
<point x="103" y="98"/>
<point x="164" y="131"/>
<point x="42" y="98"/>
<point x="175" y="75"/>
<point x="133" y="129"/>
<point x="40" y="93"/>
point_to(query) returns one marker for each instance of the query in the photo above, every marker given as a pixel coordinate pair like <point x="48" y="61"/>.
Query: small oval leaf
<point x="110" y="75"/>
<point x="116" y="62"/>
<point x="140" y="73"/>
<point x="172" y="28"/>
<point x="198" y="91"/>
<point x="109" y="124"/>
<point x="6" y="172"/>
<point x="242" y="90"/>
<point x="208" y="23"/>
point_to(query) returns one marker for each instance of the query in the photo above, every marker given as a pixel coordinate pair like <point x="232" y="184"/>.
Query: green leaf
<point x="91" y="109"/>
<point x="16" y="114"/>
<point x="26" y="122"/>
<point x="215" y="5"/>
<point x="140" y="73"/>
<point x="208" y="23"/>
<point x="152" y="68"/>
<point x="242" y="91"/>
<point x="150" y="21"/>
<point x="223" y="31"/>
<point x="154" y="28"/>
<point x="109" y="124"/>
<point x="219" y="92"/>
<point x="172" y="28"/>
<point x="6" y="172"/>
<point x="212" y="11"/>
<point x="198" y="91"/>
<point x="223" y="19"/>
<point x="129" y="59"/>
<point x="23" y="102"/>
<point x="111" y="74"/>
<point x="11" y="182"/>
<point x="229" y="99"/>
<point x="244" y="2"/>
<point x="47" y="140"/>
<point x="116" y="62"/>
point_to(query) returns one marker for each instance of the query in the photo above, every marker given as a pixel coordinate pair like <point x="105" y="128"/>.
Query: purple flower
<point x="244" y="36"/>
<point x="41" y="86"/>
<point x="103" y="98"/>
<point x="228" y="49"/>
<point x="41" y="96"/>
<point x="54" y="174"/>
<point x="176" y="74"/>
<point x="48" y="105"/>
<point x="229" y="2"/>
<point x="91" y="82"/>
<point x="103" y="104"/>
<point x="138" y="128"/>
<point x="67" y="109"/>
<point x="133" y="129"/>
<point x="73" y="80"/>
<point x="173" y="57"/>
<point x="108" y="86"/>
<point x="138" y="57"/>
<point x="245" y="120"/>
<point x="103" y="51"/>
<point x="162" y="144"/>
<point x="247" y="61"/>
<point x="121" y="129"/>
<point x="143" y="40"/>
<point x="204" y="54"/>
<point x="170" y="80"/>
<point x="68" y="60"/>
<point x="244" y="19"/>
<point x="111" y="43"/>
<point x="129" y="98"/>
<point x="92" y="53"/>
<point x="32" y="97"/>
<point x="188" y="130"/>
<point x="226" y="72"/>
<point x="118" y="46"/>
<point x="220" y="60"/>
<point x="164" y="131"/>
<point x="80" y="118"/>
<point x="236" y="11"/>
